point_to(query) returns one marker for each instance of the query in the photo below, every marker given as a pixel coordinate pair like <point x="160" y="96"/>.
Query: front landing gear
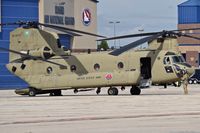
<point x="113" y="91"/>
<point x="135" y="90"/>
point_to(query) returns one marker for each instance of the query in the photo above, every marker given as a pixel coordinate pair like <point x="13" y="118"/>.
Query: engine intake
<point x="43" y="52"/>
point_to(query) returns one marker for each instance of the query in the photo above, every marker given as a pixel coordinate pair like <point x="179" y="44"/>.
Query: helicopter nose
<point x="191" y="71"/>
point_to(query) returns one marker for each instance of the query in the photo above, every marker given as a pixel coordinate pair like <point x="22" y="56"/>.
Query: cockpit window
<point x="58" y="43"/>
<point x="167" y="61"/>
<point x="178" y="59"/>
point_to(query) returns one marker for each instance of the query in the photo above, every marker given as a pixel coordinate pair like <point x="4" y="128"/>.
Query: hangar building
<point x="67" y="13"/>
<point x="189" y="17"/>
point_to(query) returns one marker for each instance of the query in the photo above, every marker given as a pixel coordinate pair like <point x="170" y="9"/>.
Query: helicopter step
<point x="82" y="90"/>
<point x="145" y="83"/>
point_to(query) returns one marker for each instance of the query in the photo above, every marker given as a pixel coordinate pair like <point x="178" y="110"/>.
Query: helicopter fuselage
<point x="97" y="70"/>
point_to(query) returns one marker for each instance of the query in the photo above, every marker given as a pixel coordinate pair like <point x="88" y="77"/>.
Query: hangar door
<point x="12" y="11"/>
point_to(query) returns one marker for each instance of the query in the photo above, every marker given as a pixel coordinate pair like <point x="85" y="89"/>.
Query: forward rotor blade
<point x="31" y="57"/>
<point x="187" y="29"/>
<point x="134" y="44"/>
<point x="130" y="36"/>
<point x="71" y="30"/>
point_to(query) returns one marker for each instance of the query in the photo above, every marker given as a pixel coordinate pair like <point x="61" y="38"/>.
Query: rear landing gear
<point x="135" y="90"/>
<point x="113" y="91"/>
<point x="75" y="91"/>
<point x="56" y="93"/>
<point x="98" y="91"/>
<point x="32" y="92"/>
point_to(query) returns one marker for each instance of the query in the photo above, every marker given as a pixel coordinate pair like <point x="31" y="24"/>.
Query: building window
<point x="46" y="19"/>
<point x="56" y="20"/>
<point x="96" y="67"/>
<point x="59" y="10"/>
<point x="120" y="65"/>
<point x="69" y="21"/>
<point x="73" y="68"/>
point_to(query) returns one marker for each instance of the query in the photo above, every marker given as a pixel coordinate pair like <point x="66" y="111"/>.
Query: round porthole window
<point x="49" y="70"/>
<point x="73" y="68"/>
<point x="96" y="67"/>
<point x="120" y="65"/>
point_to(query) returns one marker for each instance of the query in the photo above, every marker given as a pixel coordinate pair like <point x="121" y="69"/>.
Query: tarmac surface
<point x="156" y="110"/>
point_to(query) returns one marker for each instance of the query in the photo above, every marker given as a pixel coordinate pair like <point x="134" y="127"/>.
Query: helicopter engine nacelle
<point x="43" y="52"/>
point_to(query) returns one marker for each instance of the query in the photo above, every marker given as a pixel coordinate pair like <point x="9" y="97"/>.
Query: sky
<point x="135" y="15"/>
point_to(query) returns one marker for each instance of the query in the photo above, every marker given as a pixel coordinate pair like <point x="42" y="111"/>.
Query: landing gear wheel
<point x="56" y="93"/>
<point x="98" y="91"/>
<point x="135" y="90"/>
<point x="75" y="91"/>
<point x="32" y="92"/>
<point x="112" y="91"/>
<point x="177" y="84"/>
<point x="123" y="88"/>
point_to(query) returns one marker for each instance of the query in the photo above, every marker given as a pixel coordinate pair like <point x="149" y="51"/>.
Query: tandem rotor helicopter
<point x="36" y="56"/>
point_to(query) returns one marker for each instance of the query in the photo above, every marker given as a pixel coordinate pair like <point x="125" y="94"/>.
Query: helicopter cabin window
<point x="120" y="65"/>
<point x="167" y="61"/>
<point x="96" y="67"/>
<point x="14" y="69"/>
<point x="73" y="68"/>
<point x="49" y="70"/>
<point x="23" y="66"/>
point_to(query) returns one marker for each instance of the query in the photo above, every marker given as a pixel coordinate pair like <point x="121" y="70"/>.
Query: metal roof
<point x="191" y="3"/>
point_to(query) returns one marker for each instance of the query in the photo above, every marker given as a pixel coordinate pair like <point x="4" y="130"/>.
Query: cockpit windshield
<point x="178" y="59"/>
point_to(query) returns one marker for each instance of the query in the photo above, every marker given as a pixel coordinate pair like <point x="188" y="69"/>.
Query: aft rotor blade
<point x="134" y="44"/>
<point x="193" y="37"/>
<point x="130" y="36"/>
<point x="6" y="24"/>
<point x="71" y="30"/>
<point x="31" y="57"/>
<point x="71" y="33"/>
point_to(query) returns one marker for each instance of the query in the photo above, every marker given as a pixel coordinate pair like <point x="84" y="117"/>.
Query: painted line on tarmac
<point x="102" y="118"/>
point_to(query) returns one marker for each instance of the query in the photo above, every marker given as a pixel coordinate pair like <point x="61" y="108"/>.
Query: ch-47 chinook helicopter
<point x="37" y="57"/>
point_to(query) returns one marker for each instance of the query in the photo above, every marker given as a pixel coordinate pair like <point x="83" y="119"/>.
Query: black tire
<point x="135" y="91"/>
<point x="113" y="91"/>
<point x="32" y="92"/>
<point x="75" y="91"/>
<point x="177" y="84"/>
<point x="56" y="93"/>
<point x="98" y="91"/>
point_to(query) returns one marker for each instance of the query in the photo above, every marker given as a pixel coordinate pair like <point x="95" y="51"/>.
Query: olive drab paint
<point x="60" y="70"/>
